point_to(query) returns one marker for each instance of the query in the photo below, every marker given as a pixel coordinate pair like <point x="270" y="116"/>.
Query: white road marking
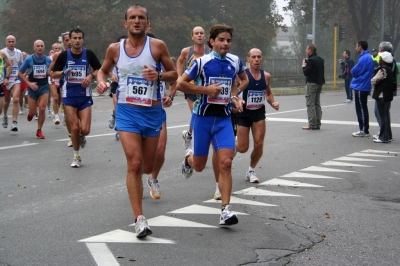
<point x="333" y="163"/>
<point x="102" y="254"/>
<point x="121" y="236"/>
<point x="304" y="109"/>
<point x="168" y="221"/>
<point x="25" y="144"/>
<point x="378" y="151"/>
<point x="354" y="159"/>
<point x="324" y="169"/>
<point x="359" y="154"/>
<point x="252" y="191"/>
<point x="198" y="209"/>
<point x="237" y="200"/>
<point x="306" y="175"/>
<point x="331" y="122"/>
<point x="286" y="183"/>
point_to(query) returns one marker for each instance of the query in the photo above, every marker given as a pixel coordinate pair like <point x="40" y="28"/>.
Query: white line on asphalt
<point x="286" y="183"/>
<point x="304" y="109"/>
<point x="18" y="146"/>
<point x="354" y="159"/>
<point x="333" y="163"/>
<point x="237" y="200"/>
<point x="306" y="175"/>
<point x="102" y="254"/>
<point x="384" y="152"/>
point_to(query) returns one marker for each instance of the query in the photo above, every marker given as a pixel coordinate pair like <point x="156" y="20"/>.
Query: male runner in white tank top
<point x="139" y="106"/>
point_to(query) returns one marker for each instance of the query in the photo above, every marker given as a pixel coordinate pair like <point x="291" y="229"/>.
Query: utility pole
<point x="382" y="21"/>
<point x="334" y="54"/>
<point x="314" y="20"/>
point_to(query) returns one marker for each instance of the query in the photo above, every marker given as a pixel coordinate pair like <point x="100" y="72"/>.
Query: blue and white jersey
<point x="213" y="68"/>
<point x="72" y="86"/>
<point x="133" y="88"/>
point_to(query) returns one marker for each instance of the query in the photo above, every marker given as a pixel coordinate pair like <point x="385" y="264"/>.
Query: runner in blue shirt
<point x="38" y="83"/>
<point x="214" y="75"/>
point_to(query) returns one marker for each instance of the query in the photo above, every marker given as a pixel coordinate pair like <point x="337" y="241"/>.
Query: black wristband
<point x="171" y="97"/>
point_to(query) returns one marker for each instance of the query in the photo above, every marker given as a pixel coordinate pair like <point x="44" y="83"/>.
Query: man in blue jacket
<point x="361" y="84"/>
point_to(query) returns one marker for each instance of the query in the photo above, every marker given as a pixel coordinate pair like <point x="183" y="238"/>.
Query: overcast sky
<point x="280" y="4"/>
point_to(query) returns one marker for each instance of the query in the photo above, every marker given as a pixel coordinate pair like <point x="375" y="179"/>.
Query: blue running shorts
<point x="78" y="102"/>
<point x="217" y="129"/>
<point x="146" y="121"/>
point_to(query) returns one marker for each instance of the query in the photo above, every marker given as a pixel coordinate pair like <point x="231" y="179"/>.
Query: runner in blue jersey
<point x="139" y="101"/>
<point x="38" y="83"/>
<point x="74" y="65"/>
<point x="253" y="116"/>
<point x="214" y="76"/>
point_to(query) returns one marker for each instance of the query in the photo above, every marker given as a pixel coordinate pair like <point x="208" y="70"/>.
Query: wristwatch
<point x="172" y="97"/>
<point x="160" y="76"/>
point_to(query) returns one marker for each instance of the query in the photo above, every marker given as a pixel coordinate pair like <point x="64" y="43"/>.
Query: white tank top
<point x="16" y="60"/>
<point x="133" y="88"/>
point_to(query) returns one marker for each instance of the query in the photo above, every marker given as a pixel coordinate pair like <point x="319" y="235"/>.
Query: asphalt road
<point x="324" y="198"/>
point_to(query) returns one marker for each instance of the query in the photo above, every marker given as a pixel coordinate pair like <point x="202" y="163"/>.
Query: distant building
<point x="283" y="45"/>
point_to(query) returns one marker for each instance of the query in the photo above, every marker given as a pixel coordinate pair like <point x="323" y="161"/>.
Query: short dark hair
<point x="363" y="44"/>
<point x="76" y="30"/>
<point x="312" y="47"/>
<point x="347" y="52"/>
<point x="217" y="29"/>
<point x="136" y="6"/>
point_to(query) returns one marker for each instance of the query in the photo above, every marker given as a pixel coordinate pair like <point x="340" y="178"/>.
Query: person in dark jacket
<point x="361" y="84"/>
<point x="346" y="67"/>
<point x="387" y="47"/>
<point x="313" y="69"/>
<point x="383" y="95"/>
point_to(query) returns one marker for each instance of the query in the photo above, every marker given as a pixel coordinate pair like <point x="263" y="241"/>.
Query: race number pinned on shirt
<point x="139" y="91"/>
<point x="14" y="73"/>
<point x="255" y="99"/>
<point x="225" y="94"/>
<point x="78" y="74"/>
<point x="39" y="71"/>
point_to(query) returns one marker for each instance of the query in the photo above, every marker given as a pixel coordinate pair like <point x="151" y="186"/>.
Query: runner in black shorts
<point x="253" y="115"/>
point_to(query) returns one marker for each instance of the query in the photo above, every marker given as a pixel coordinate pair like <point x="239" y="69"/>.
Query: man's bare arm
<point x="269" y="95"/>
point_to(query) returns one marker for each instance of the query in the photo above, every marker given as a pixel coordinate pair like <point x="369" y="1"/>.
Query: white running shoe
<point x="142" y="229"/>
<point x="187" y="139"/>
<point x="228" y="217"/>
<point x="56" y="119"/>
<point x="36" y="116"/>
<point x="69" y="144"/>
<point x="76" y="162"/>
<point x="360" y="134"/>
<point x="14" y="126"/>
<point x="49" y="112"/>
<point x="155" y="191"/>
<point x="5" y="121"/>
<point x="111" y="122"/>
<point x="82" y="141"/>
<point x="217" y="194"/>
<point x="187" y="170"/>
<point x="251" y="177"/>
<point x="21" y="111"/>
